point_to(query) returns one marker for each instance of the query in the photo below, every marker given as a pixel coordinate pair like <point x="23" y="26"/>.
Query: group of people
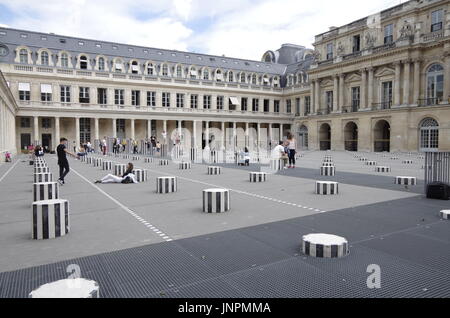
<point x="286" y="151"/>
<point x="153" y="145"/>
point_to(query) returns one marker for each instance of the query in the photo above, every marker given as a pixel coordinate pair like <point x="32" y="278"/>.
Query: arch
<point x="254" y="79"/>
<point x="44" y="57"/>
<point x="218" y="75"/>
<point x="303" y="138"/>
<point x="428" y="134"/>
<point x="382" y="136"/>
<point x="193" y="72"/>
<point x="118" y="65"/>
<point x="205" y="74"/>
<point x="325" y="137"/>
<point x="179" y="72"/>
<point x="83" y="62"/>
<point x="134" y="67"/>
<point x="101" y="63"/>
<point x="268" y="57"/>
<point x="26" y="59"/>
<point x="150" y="68"/>
<point x="351" y="136"/>
<point x="165" y="71"/>
<point x="230" y="76"/>
<point x="64" y="59"/>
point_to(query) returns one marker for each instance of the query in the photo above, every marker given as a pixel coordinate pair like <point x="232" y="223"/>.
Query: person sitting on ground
<point x="7" y="156"/>
<point x="279" y="152"/>
<point x="127" y="177"/>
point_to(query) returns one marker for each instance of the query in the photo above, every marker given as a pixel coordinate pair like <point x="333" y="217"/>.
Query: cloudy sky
<point x="235" y="28"/>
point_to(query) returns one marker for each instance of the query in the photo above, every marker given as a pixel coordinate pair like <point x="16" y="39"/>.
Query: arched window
<point x="193" y="73"/>
<point x="101" y="64"/>
<point x="276" y="82"/>
<point x="64" y="60"/>
<point x="219" y="76"/>
<point x="230" y="76"/>
<point x="290" y="80"/>
<point x="179" y="71"/>
<point x="429" y="135"/>
<point x="83" y="62"/>
<point x="254" y="79"/>
<point x="435" y="84"/>
<point x="44" y="58"/>
<point x="205" y="74"/>
<point x="23" y="54"/>
<point x="150" y="69"/>
<point x="242" y="77"/>
<point x="165" y="70"/>
<point x="134" y="67"/>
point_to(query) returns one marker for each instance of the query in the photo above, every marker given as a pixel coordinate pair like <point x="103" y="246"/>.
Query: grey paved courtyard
<point x="136" y="243"/>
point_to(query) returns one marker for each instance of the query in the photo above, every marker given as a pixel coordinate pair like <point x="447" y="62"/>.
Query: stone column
<point x="317" y="97"/>
<point x="207" y="134"/>
<point x="416" y="94"/>
<point x="271" y="134"/>
<point x="234" y="135"/>
<point x="179" y="129"/>
<point x="194" y="133"/>
<point x="446" y="99"/>
<point x="132" y="121"/>
<point x="246" y="134"/>
<point x="336" y="94"/>
<point x="259" y="136"/>
<point x="313" y="96"/>
<point x="281" y="132"/>
<point x="77" y="132"/>
<point x="370" y="89"/>
<point x="149" y="129"/>
<point x="406" y="81"/>
<point x="36" y="130"/>
<point x="96" y="129"/>
<point x="222" y="143"/>
<point x="397" y="100"/>
<point x="57" y="132"/>
<point x="363" y="104"/>
<point x="114" y="128"/>
<point x="341" y="91"/>
<point x="165" y="131"/>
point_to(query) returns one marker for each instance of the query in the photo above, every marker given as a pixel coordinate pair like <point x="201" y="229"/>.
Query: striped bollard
<point x="214" y="170"/>
<point x="135" y="158"/>
<point x="276" y="164"/>
<point x="327" y="188"/>
<point x="42" y="170"/>
<point x="89" y="160"/>
<point x="184" y="165"/>
<point x="163" y="162"/>
<point x="40" y="165"/>
<point x="407" y="162"/>
<point x="371" y="163"/>
<point x="43" y="177"/>
<point x="83" y="158"/>
<point x="329" y="171"/>
<point x="166" y="185"/>
<point x="68" y="288"/>
<point x="141" y="175"/>
<point x="119" y="169"/>
<point x="382" y="169"/>
<point x="216" y="200"/>
<point x="324" y="246"/>
<point x="148" y="160"/>
<point x="327" y="164"/>
<point x="45" y="191"/>
<point x="50" y="219"/>
<point x="445" y="214"/>
<point x="107" y="165"/>
<point x="98" y="162"/>
<point x="363" y="159"/>
<point x="256" y="177"/>
<point x="406" y="181"/>
<point x="126" y="156"/>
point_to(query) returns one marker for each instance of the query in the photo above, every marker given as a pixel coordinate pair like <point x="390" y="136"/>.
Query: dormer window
<point x="83" y="62"/>
<point x="179" y="71"/>
<point x="254" y="80"/>
<point x="230" y="76"/>
<point x="205" y="74"/>
<point x="134" y="67"/>
<point x="329" y="51"/>
<point x="44" y="58"/>
<point x="64" y="60"/>
<point x="150" y="69"/>
<point x="101" y="64"/>
<point x="23" y="54"/>
<point x="165" y="70"/>
<point x="389" y="34"/>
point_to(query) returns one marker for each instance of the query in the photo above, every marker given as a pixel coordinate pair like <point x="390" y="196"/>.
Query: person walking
<point x="291" y="150"/>
<point x="63" y="163"/>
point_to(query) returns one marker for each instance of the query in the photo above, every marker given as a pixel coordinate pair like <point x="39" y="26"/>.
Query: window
<point x="244" y="102"/>
<point x="435" y="84"/>
<point x="23" y="55"/>
<point x="135" y="98"/>
<point x="180" y="100"/>
<point x="436" y="20"/>
<point x="219" y="76"/>
<point x="329" y="51"/>
<point x="65" y="93"/>
<point x="24" y="91"/>
<point x="120" y="127"/>
<point x="254" y="79"/>
<point x="101" y="64"/>
<point x="118" y="66"/>
<point x="290" y="80"/>
<point x="84" y="95"/>
<point x="151" y="99"/>
<point x="276" y="106"/>
<point x="83" y="62"/>
<point x="46" y="97"/>
<point x="205" y="74"/>
<point x="150" y="69"/>
<point x="102" y="96"/>
<point x="220" y="102"/>
<point x="242" y="77"/>
<point x="356" y="43"/>
<point x="356" y="98"/>
<point x="64" y="60"/>
<point x="46" y="123"/>
<point x="297" y="106"/>
<point x="193" y="73"/>
<point x="25" y="122"/>
<point x="276" y="82"/>
<point x="46" y="92"/>
<point x="165" y="70"/>
<point x="389" y="34"/>
<point x="307" y="105"/>
<point x="230" y="76"/>
<point x="165" y="99"/>
<point x="265" y="81"/>
<point x="85" y="130"/>
<point x="44" y="58"/>
<point x="207" y="102"/>
<point x="429" y="135"/>
<point x="119" y="97"/>
<point x="255" y="104"/>
<point x="194" y="101"/>
<point x="134" y="67"/>
<point x="288" y="106"/>
<point x="386" y="95"/>
<point x="179" y="71"/>
<point x="266" y="105"/>
<point x="329" y="100"/>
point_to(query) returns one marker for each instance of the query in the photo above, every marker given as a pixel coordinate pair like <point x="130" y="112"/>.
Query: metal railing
<point x="382" y="105"/>
<point x="432" y="101"/>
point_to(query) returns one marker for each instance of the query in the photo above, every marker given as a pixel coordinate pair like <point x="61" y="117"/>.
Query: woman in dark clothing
<point x="127" y="177"/>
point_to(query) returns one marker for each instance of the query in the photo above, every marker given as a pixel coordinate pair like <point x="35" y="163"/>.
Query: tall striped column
<point x="45" y="191"/>
<point x="42" y="170"/>
<point x="50" y="219"/>
<point x="43" y="177"/>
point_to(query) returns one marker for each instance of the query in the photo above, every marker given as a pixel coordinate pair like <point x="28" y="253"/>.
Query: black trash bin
<point x="438" y="190"/>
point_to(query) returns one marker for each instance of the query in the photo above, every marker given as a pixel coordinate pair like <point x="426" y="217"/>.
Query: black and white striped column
<point x="107" y="165"/>
<point x="256" y="177"/>
<point x="40" y="165"/>
<point x="126" y="156"/>
<point x="148" y="160"/>
<point x="327" y="164"/>
<point x="98" y="162"/>
<point x="363" y="159"/>
<point x="83" y="158"/>
<point x="50" y="219"/>
<point x="324" y="246"/>
<point x="407" y="162"/>
<point x="119" y="169"/>
<point x="43" y="177"/>
<point x="68" y="288"/>
<point x="45" y="191"/>
<point x="328" y="171"/>
<point x="330" y="160"/>
<point x="89" y="160"/>
<point x="184" y="165"/>
<point x="445" y="214"/>
<point x="42" y="170"/>
<point x="141" y="175"/>
<point x="135" y="158"/>
<point x="395" y="158"/>
<point x="382" y="169"/>
<point x="276" y="164"/>
<point x="166" y="185"/>
<point x="216" y="200"/>
<point x="163" y="162"/>
<point x="371" y="163"/>
<point x="327" y="188"/>
<point x="214" y="170"/>
<point x="406" y="181"/>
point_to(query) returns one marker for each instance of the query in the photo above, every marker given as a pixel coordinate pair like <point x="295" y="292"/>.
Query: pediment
<point x="353" y="78"/>
<point x="326" y="83"/>
<point x="385" y="71"/>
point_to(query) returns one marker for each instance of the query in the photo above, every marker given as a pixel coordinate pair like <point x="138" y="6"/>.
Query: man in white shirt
<point x="279" y="153"/>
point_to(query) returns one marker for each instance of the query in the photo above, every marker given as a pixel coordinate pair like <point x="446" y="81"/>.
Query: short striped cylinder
<point x="328" y="171"/>
<point x="382" y="169"/>
<point x="407" y="162"/>
<point x="83" y="158"/>
<point x="89" y="160"/>
<point x="327" y="188"/>
<point x="184" y="165"/>
<point x="97" y="162"/>
<point x="68" y="288"/>
<point x="163" y="162"/>
<point x="406" y="181"/>
<point x="256" y="177"/>
<point x="126" y="156"/>
<point x="107" y="165"/>
<point x="328" y="160"/>
<point x="363" y="159"/>
<point x="45" y="191"/>
<point x="43" y="177"/>
<point x="327" y="164"/>
<point x="119" y="169"/>
<point x="445" y="214"/>
<point x="40" y="165"/>
<point x="135" y="158"/>
<point x="148" y="160"/>
<point x="214" y="170"/>
<point x="276" y="164"/>
<point x="324" y="246"/>
<point x="166" y="185"/>
<point x="216" y="200"/>
<point x="141" y="175"/>
<point x="42" y="170"/>
<point x="371" y="163"/>
<point x="395" y="158"/>
<point x="50" y="219"/>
